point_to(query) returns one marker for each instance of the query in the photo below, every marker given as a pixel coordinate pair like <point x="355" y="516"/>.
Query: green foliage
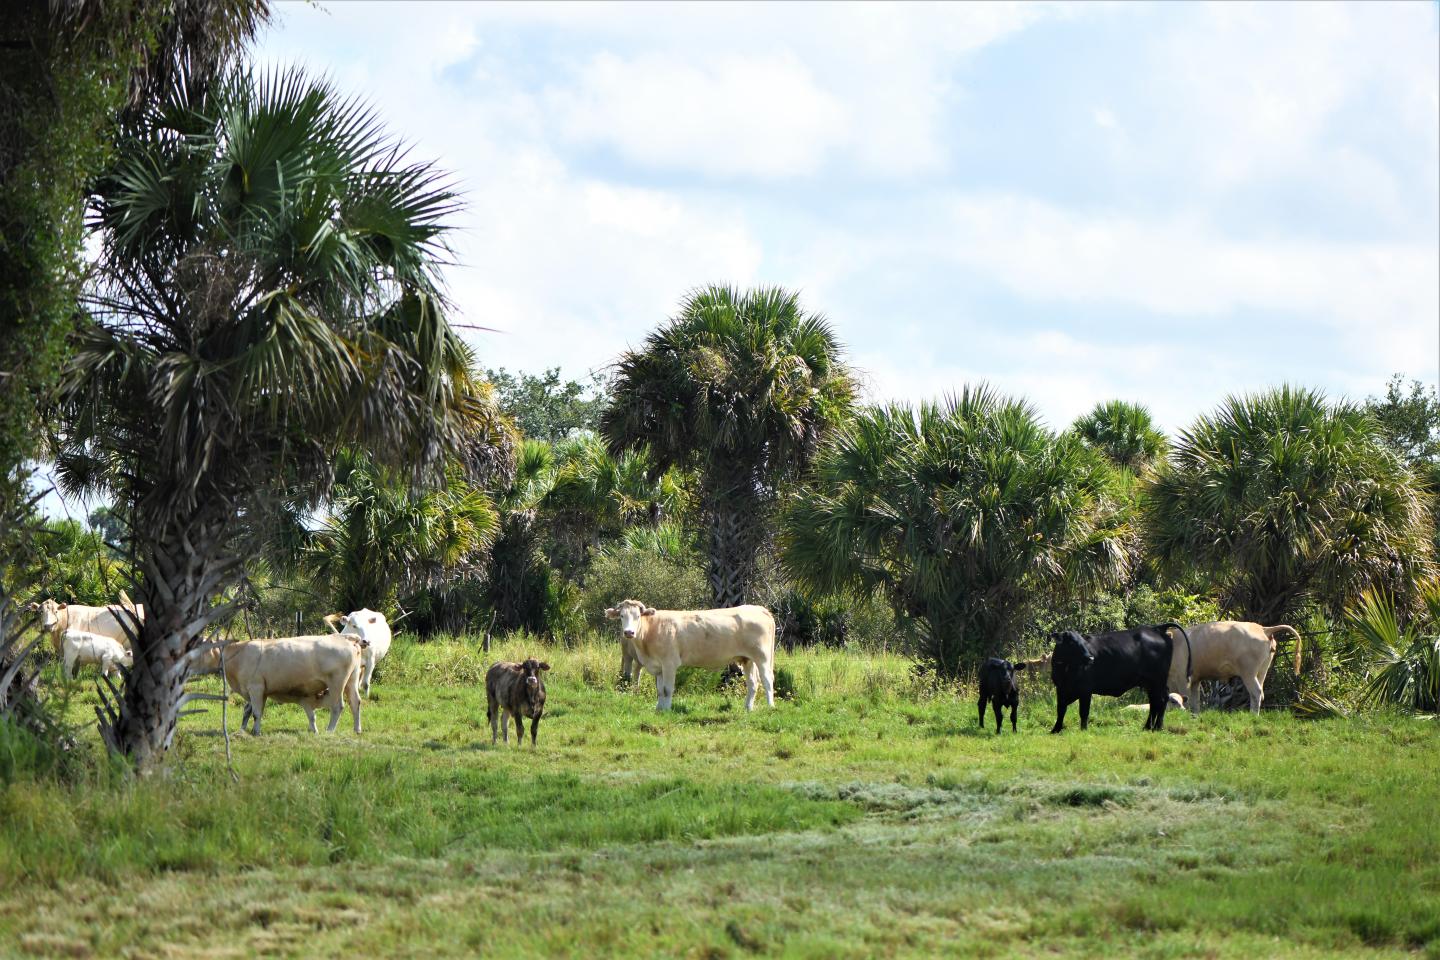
<point x="1408" y="417"/>
<point x="1283" y="499"/>
<point x="383" y="539"/>
<point x="1124" y="433"/>
<point x="740" y="387"/>
<point x="545" y="407"/>
<point x="657" y="569"/>
<point x="957" y="513"/>
<point x="77" y="567"/>
<point x="1400" y="660"/>
<point x="1108" y="610"/>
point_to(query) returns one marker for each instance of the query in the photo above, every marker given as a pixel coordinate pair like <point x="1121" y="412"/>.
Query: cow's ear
<point x="1020" y="664"/>
<point x="611" y="613"/>
<point x="544" y="665"/>
<point x="32" y="606"/>
<point x="648" y="612"/>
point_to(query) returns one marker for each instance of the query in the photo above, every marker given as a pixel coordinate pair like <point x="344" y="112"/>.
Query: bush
<point x="1111" y="611"/>
<point x="664" y="581"/>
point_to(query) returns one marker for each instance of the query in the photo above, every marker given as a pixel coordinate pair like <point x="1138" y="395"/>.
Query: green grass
<point x="866" y="815"/>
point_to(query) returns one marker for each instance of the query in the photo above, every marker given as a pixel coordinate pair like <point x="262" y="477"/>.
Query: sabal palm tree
<point x="1124" y="432"/>
<point x="267" y="295"/>
<point x="741" y="387"/>
<point x="956" y="513"/>
<point x="1282" y="499"/>
<point x="382" y="539"/>
<point x="1400" y="660"/>
<point x="518" y="568"/>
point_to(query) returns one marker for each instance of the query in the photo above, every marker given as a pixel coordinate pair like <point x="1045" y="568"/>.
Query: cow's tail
<point x="1189" y="657"/>
<point x="1286" y="628"/>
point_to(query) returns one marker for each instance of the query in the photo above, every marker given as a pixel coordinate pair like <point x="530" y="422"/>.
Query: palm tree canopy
<point x="1124" y="432"/>
<point x="743" y="378"/>
<point x="955" y="512"/>
<point x="1283" y="498"/>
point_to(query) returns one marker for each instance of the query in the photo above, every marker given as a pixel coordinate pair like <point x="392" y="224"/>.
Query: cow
<point x="1112" y="664"/>
<point x="666" y="640"/>
<point x="998" y="686"/>
<point x="81" y="648"/>
<point x="376" y="631"/>
<point x="56" y="618"/>
<point x="311" y="671"/>
<point x="515" y="690"/>
<point x="1230" y="648"/>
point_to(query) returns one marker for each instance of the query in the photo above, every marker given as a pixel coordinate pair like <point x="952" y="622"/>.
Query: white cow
<point x="1229" y="648"/>
<point x="56" y="618"/>
<point x="81" y="648"/>
<point x="310" y="671"/>
<point x="666" y="640"/>
<point x="373" y="627"/>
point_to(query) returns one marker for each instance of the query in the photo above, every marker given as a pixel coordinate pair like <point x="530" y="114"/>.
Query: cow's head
<point x="629" y="612"/>
<point x="365" y="624"/>
<point x="1072" y="654"/>
<point x="530" y="671"/>
<point x="50" y="614"/>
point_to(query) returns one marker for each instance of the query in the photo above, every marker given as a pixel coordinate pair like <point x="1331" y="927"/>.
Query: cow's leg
<point x="665" y="684"/>
<point x="1084" y="711"/>
<point x="1159" y="700"/>
<point x="1190" y="700"/>
<point x="752" y="679"/>
<point x="257" y="707"/>
<point x="519" y="730"/>
<point x="1014" y="705"/>
<point x="534" y="727"/>
<point x="505" y="725"/>
<point x="767" y="679"/>
<point x="983" y="701"/>
<point x="310" y="713"/>
<point x="69" y="666"/>
<point x="492" y="714"/>
<point x="352" y="694"/>
<point x="999" y="709"/>
<point x="1256" y="689"/>
<point x="1061" y="705"/>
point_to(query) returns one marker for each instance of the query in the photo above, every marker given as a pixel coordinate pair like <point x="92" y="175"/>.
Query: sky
<point x="1163" y="202"/>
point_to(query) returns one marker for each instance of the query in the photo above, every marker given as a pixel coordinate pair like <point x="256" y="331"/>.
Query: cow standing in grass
<point x="1112" y="664"/>
<point x="999" y="687"/>
<point x="515" y="690"/>
<point x="1225" y="649"/>
<point x="666" y="640"/>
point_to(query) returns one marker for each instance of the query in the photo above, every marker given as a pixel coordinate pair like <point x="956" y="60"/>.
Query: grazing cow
<point x="1112" y="664"/>
<point x="56" y="618"/>
<point x="666" y="640"/>
<point x="376" y="631"/>
<point x="1230" y="648"/>
<point x="998" y="686"/>
<point x="81" y="648"/>
<point x="515" y="690"/>
<point x="310" y="671"/>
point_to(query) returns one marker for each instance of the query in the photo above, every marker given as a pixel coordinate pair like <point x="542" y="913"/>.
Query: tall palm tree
<point x="1124" y="432"/>
<point x="1283" y="499"/>
<point x="740" y="387"/>
<point x="267" y="295"/>
<point x="957" y="513"/>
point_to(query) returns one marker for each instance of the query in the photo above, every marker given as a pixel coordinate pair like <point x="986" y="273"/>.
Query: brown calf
<point x="515" y="690"/>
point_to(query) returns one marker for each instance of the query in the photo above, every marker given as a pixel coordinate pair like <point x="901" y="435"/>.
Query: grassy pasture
<point x="867" y="815"/>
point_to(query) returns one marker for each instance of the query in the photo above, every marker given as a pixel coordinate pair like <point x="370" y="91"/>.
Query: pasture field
<point x="866" y="815"/>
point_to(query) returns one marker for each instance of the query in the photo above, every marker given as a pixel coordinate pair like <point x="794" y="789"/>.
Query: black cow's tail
<point x="1189" y="658"/>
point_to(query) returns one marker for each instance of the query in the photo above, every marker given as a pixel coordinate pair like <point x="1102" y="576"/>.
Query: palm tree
<point x="1400" y="661"/>
<point x="741" y="388"/>
<point x="383" y="539"/>
<point x="957" y="513"/>
<point x="1124" y="433"/>
<point x="519" y="572"/>
<point x="1283" y="499"/>
<point x="267" y="296"/>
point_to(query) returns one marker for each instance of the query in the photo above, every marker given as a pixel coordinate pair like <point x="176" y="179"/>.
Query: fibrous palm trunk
<point x="186" y="564"/>
<point x="736" y="531"/>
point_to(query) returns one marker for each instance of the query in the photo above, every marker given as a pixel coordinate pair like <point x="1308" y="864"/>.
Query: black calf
<point x="998" y="686"/>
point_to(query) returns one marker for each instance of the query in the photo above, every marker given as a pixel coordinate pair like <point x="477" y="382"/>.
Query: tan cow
<point x="56" y="618"/>
<point x="663" y="641"/>
<point x="1230" y="648"/>
<point x="310" y="671"/>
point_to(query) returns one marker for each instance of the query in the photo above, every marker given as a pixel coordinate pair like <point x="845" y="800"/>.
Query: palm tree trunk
<point x="736" y="529"/>
<point x="186" y="565"/>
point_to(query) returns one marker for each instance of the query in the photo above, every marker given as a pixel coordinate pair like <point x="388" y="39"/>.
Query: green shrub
<point x="664" y="581"/>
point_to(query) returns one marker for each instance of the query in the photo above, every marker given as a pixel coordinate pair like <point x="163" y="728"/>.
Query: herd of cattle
<point x="1165" y="661"/>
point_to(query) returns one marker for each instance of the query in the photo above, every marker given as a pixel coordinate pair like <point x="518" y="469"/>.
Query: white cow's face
<point x="629" y="612"/>
<point x="365" y="624"/>
<point x="50" y="614"/>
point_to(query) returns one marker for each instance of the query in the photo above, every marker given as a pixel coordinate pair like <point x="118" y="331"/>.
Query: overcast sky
<point x="1163" y="202"/>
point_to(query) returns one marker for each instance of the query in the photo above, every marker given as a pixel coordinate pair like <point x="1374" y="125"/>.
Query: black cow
<point x="1111" y="664"/>
<point x="998" y="686"/>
